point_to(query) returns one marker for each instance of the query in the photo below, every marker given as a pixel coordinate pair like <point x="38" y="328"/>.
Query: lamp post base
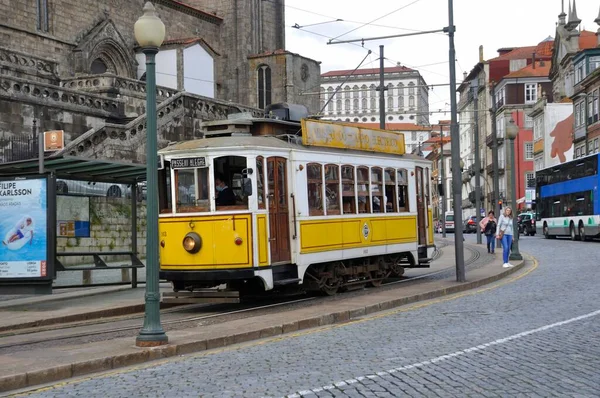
<point x="151" y="340"/>
<point x="515" y="256"/>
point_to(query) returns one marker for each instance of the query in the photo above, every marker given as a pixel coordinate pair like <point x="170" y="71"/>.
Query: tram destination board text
<point x="188" y="162"/>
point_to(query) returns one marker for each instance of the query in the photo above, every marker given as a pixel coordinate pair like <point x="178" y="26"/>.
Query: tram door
<point x="279" y="225"/>
<point x="421" y="215"/>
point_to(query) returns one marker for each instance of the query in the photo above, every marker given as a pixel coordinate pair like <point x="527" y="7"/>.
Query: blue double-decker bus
<point x="567" y="200"/>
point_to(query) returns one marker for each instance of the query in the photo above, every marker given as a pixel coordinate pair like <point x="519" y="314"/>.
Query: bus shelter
<point x="28" y="218"/>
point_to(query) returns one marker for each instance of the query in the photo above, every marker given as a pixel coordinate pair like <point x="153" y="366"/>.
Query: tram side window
<point x="362" y="181"/>
<point x="377" y="189"/>
<point x="232" y="185"/>
<point x="192" y="190"/>
<point x="164" y="189"/>
<point x="403" y="190"/>
<point x="260" y="182"/>
<point x="427" y="182"/>
<point x="332" y="188"/>
<point x="348" y="193"/>
<point x="391" y="205"/>
<point x="315" y="188"/>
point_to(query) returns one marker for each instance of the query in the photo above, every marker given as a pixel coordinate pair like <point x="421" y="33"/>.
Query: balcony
<point x="501" y="166"/>
<point x="489" y="139"/>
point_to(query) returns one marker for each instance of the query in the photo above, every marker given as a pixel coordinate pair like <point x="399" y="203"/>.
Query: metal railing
<point x="18" y="148"/>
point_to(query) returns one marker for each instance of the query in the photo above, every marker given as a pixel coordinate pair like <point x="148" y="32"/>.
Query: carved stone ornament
<point x="304" y="75"/>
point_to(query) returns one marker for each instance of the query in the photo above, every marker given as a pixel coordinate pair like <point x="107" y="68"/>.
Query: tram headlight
<point x="192" y="243"/>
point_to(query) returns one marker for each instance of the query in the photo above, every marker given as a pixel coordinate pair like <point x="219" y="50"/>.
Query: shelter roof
<point x="73" y="168"/>
<point x="541" y="69"/>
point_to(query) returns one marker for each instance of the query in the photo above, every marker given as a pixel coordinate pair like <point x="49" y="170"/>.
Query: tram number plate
<point x="188" y="162"/>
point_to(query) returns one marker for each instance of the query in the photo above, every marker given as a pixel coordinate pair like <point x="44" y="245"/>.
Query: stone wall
<point x="110" y="220"/>
<point x="70" y="21"/>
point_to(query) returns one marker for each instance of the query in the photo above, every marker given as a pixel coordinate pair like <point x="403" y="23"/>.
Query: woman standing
<point x="505" y="234"/>
<point x="488" y="227"/>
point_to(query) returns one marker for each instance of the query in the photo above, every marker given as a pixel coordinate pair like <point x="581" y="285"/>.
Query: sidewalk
<point x="56" y="362"/>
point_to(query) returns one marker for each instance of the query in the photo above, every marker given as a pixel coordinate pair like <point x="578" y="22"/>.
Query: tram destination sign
<point x="185" y="163"/>
<point x="340" y="135"/>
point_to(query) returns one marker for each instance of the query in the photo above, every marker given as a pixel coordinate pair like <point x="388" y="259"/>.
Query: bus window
<point x="231" y="184"/>
<point x="348" y="193"/>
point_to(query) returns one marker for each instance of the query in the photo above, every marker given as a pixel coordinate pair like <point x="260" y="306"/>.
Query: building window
<point x="373" y="105"/>
<point x="528" y="150"/>
<point x="338" y="106"/>
<point x="530" y="180"/>
<point x="355" y="92"/>
<point x="330" y="99"/>
<point x="347" y="105"/>
<point x="596" y="145"/>
<point x="413" y="136"/>
<point x="538" y="128"/>
<point x="364" y="104"/>
<point x="264" y="86"/>
<point x="98" y="67"/>
<point x="595" y="110"/>
<point x="594" y="64"/>
<point x="355" y="103"/>
<point x="411" y="102"/>
<point x="42" y="15"/>
<point x="411" y="88"/>
<point x="390" y="103"/>
<point x="579" y="72"/>
<point x="528" y="122"/>
<point x="530" y="93"/>
<point x="401" y="102"/>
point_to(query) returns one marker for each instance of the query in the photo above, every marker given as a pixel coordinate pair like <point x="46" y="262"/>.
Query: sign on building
<point x="54" y="140"/>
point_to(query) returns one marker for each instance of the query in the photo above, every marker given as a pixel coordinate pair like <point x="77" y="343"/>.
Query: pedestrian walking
<point x="505" y="234"/>
<point x="488" y="226"/>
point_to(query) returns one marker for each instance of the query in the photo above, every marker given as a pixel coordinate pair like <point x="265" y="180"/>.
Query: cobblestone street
<point x="530" y="335"/>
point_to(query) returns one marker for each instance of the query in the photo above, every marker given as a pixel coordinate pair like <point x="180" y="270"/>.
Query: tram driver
<point x="225" y="195"/>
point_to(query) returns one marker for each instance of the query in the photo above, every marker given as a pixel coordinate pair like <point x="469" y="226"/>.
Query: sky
<point x="511" y="23"/>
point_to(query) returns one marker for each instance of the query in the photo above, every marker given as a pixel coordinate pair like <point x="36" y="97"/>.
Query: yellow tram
<point x="266" y="203"/>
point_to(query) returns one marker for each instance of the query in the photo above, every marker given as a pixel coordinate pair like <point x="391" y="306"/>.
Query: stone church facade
<point x="74" y="65"/>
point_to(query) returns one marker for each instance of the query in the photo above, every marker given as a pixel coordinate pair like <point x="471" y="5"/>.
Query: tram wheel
<point x="332" y="279"/>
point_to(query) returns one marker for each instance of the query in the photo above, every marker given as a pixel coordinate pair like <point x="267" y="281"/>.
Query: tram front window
<point x="192" y="190"/>
<point x="233" y="184"/>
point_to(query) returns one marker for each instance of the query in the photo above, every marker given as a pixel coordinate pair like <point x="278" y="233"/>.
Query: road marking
<point x="279" y="338"/>
<point x="455" y="354"/>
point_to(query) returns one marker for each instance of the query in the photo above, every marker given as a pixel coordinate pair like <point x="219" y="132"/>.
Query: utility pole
<point x="475" y="88"/>
<point x="443" y="184"/>
<point x="381" y="91"/>
<point x="459" y="254"/>
<point x="496" y="176"/>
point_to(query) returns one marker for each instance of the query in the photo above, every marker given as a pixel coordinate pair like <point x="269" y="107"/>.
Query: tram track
<point x="16" y="340"/>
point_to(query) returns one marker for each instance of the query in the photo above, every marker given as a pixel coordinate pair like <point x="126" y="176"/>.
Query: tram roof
<point x="284" y="142"/>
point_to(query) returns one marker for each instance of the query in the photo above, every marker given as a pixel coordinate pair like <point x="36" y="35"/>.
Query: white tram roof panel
<point x="271" y="142"/>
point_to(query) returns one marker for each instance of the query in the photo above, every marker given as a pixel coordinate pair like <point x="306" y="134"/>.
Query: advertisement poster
<point x="558" y="141"/>
<point x="73" y="216"/>
<point x="23" y="228"/>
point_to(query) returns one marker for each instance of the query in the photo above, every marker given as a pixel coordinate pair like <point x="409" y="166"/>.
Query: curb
<point x="62" y="372"/>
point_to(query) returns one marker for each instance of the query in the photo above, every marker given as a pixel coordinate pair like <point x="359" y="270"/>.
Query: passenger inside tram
<point x="224" y="194"/>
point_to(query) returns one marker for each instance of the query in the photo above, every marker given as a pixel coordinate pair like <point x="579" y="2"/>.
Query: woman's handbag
<point x="500" y="234"/>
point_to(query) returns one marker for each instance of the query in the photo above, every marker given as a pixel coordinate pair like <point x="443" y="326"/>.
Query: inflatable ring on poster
<point x="19" y="243"/>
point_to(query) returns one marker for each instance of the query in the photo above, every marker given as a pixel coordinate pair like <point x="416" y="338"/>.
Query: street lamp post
<point x="459" y="255"/>
<point x="511" y="133"/>
<point x="443" y="185"/>
<point x="150" y="33"/>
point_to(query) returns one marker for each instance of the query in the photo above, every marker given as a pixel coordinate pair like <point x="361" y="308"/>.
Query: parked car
<point x="526" y="223"/>
<point x="88" y="188"/>
<point x="470" y="225"/>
